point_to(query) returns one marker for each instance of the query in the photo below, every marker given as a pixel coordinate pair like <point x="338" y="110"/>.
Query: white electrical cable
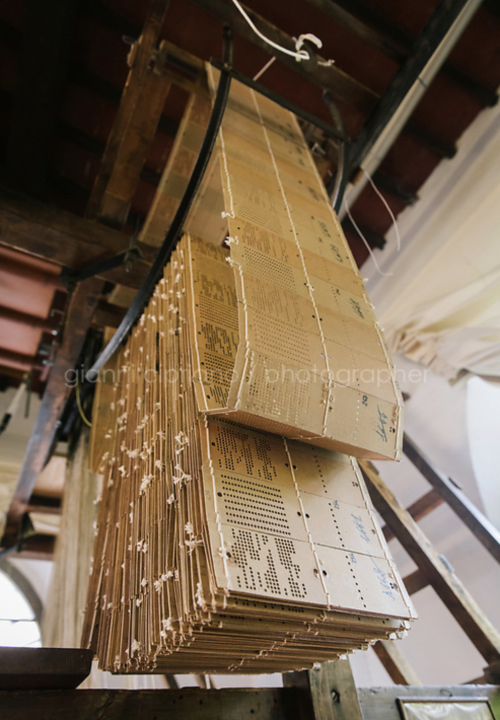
<point x="364" y="239"/>
<point x="299" y="54"/>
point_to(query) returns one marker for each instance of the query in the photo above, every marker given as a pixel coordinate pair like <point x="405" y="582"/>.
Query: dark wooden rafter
<point x="440" y="575"/>
<point x="44" y="51"/>
<point x="134" y="128"/>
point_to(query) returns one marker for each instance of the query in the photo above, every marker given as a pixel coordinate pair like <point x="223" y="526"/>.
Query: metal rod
<point x="173" y="233"/>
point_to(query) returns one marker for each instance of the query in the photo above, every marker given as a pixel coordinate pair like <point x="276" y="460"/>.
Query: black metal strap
<point x="173" y="233"/>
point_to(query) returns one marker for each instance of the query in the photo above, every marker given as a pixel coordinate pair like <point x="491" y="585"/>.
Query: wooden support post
<point x="399" y="669"/>
<point x="459" y="503"/>
<point x="332" y="690"/>
<point x="57" y="391"/>
<point x="444" y="581"/>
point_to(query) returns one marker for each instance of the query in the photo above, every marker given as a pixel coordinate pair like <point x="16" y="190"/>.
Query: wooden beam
<point x="419" y="509"/>
<point x="44" y="504"/>
<point x="341" y="85"/>
<point x="485" y="532"/>
<point x="47" y="41"/>
<point x="19" y="361"/>
<point x="65" y="239"/>
<point x="134" y="128"/>
<point x="444" y="581"/>
<point x="415" y="581"/>
<point x="399" y="669"/>
<point x="331" y="688"/>
<point x="81" y="308"/>
<point x="183" y="704"/>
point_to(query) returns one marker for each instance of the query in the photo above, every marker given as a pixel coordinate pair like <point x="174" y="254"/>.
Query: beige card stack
<point x="221" y="548"/>
<point x="233" y="536"/>
<point x="310" y="361"/>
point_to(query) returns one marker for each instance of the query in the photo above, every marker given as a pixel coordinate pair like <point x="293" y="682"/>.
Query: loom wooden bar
<point x="397" y="666"/>
<point x="415" y="581"/>
<point x="485" y="532"/>
<point x="134" y="127"/>
<point x="451" y="591"/>
<point x="419" y="509"/>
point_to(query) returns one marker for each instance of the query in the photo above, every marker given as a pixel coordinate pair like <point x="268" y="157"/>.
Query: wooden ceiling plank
<point x="134" y="128"/>
<point x="46" y="44"/>
<point x="341" y="85"/>
<point x="80" y="311"/>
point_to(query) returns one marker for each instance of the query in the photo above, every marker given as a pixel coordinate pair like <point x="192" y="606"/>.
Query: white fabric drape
<point x="441" y="305"/>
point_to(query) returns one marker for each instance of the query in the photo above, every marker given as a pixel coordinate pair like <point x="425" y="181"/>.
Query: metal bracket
<point x="70" y="277"/>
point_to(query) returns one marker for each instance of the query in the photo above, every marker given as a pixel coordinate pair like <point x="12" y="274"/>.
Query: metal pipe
<point x="397" y="121"/>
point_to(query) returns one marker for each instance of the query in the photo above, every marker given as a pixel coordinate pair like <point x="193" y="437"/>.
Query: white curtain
<point x="441" y="304"/>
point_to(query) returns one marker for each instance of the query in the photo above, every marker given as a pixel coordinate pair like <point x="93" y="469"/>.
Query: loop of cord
<point x="299" y="54"/>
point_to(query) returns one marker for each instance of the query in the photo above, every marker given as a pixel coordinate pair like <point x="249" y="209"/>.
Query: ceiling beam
<point x="65" y="239"/>
<point x="135" y="126"/>
<point x="46" y="44"/>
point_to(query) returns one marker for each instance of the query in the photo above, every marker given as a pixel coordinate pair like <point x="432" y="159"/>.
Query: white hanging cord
<point x="298" y="54"/>
<point x="364" y="239"/>
<point x="396" y="228"/>
<point x="263" y="70"/>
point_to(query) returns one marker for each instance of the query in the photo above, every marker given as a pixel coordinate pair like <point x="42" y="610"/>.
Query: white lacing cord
<point x="364" y="239"/>
<point x="396" y="228"/>
<point x="299" y="54"/>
